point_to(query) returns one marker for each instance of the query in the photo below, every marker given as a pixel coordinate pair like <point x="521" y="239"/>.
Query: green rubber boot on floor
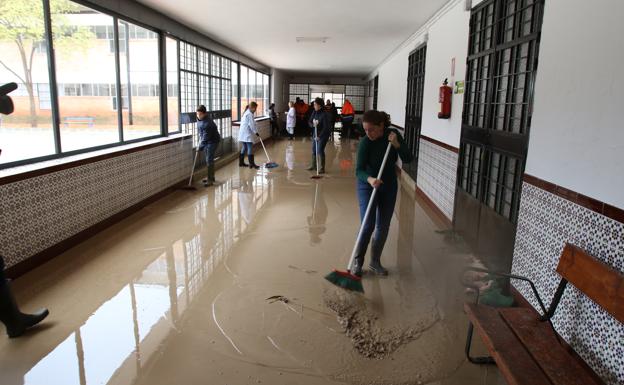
<point x="322" y="170"/>
<point x="493" y="296"/>
<point x="312" y="165"/>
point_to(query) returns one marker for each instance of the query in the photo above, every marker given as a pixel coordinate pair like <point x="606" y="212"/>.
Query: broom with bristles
<point x="345" y="279"/>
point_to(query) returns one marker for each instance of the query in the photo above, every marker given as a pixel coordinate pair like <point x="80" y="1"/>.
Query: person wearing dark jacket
<point x="209" y="139"/>
<point x="13" y="319"/>
<point x="370" y="155"/>
<point x="273" y="120"/>
<point x="321" y="120"/>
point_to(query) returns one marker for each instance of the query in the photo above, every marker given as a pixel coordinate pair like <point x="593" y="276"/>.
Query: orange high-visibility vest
<point x="347" y="108"/>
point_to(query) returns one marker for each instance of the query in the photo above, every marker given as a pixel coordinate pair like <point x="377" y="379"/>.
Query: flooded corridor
<point x="224" y="285"/>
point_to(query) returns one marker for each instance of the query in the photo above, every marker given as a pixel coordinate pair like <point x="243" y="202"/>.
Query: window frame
<point x="163" y="89"/>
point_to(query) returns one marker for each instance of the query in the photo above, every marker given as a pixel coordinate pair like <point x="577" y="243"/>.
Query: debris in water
<point x="278" y="298"/>
<point x="362" y="326"/>
<point x="303" y="270"/>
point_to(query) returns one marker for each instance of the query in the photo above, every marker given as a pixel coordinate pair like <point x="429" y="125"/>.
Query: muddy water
<point x="225" y="286"/>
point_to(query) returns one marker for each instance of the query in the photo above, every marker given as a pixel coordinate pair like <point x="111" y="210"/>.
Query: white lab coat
<point x="291" y="120"/>
<point x="247" y="129"/>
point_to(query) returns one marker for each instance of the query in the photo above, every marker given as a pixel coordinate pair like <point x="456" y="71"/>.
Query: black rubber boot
<point x="15" y="321"/>
<point x="211" y="173"/>
<point x="312" y="165"/>
<point x="376" y="267"/>
<point x="322" y="170"/>
<point x="252" y="163"/>
<point x="241" y="161"/>
<point x="357" y="267"/>
<point x="208" y="181"/>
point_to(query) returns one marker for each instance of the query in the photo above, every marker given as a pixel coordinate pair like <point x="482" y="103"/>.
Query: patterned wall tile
<point x="545" y="224"/>
<point x="437" y="169"/>
<point x="40" y="212"/>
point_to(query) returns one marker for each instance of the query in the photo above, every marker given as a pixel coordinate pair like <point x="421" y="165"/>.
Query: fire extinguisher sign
<point x="459" y="87"/>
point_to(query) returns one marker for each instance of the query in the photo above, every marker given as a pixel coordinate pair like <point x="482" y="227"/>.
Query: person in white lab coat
<point x="291" y="120"/>
<point x="246" y="136"/>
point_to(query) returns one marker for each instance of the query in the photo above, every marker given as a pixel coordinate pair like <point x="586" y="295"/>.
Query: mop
<point x="268" y="164"/>
<point x="317" y="176"/>
<point x="345" y="279"/>
<point x="190" y="186"/>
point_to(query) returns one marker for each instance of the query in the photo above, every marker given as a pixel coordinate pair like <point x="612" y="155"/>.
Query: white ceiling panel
<point x="360" y="33"/>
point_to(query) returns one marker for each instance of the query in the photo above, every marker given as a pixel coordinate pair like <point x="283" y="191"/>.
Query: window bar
<point x="129" y="86"/>
<point x="164" y="88"/>
<point x="179" y="85"/>
<point x="52" y="77"/>
<point x="118" y="78"/>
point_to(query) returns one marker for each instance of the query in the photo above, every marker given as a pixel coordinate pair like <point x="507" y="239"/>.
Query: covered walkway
<point x="197" y="275"/>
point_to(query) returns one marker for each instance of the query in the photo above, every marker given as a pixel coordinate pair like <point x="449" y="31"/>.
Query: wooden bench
<point x="88" y="120"/>
<point x="524" y="344"/>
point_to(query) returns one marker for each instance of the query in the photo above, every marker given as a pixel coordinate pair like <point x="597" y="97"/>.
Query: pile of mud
<point x="363" y="326"/>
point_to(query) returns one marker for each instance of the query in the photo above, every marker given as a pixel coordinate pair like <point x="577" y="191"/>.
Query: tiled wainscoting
<point x="546" y="222"/>
<point x="437" y="170"/>
<point x="41" y="211"/>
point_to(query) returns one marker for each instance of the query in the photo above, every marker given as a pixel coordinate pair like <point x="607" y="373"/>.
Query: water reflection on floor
<point x="177" y="293"/>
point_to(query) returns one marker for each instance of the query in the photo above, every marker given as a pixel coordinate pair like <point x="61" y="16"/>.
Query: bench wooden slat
<point x="560" y="367"/>
<point x="595" y="279"/>
<point x="512" y="359"/>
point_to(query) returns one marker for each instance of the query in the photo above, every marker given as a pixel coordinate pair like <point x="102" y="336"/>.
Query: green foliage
<point x="22" y="21"/>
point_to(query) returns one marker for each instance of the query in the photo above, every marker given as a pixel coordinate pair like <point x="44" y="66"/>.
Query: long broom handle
<point x="193" y="168"/>
<point x="265" y="151"/>
<point x="316" y="141"/>
<point x="368" y="209"/>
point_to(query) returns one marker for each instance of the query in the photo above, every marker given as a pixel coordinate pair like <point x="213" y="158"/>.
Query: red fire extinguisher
<point x="445" y="100"/>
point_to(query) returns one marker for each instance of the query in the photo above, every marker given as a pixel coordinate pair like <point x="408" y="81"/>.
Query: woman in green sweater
<point x="370" y="155"/>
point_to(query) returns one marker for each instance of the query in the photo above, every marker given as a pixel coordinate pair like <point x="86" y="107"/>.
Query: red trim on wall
<point x="592" y="204"/>
<point x="431" y="140"/>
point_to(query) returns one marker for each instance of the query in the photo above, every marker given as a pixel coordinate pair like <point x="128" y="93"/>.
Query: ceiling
<point x="362" y="33"/>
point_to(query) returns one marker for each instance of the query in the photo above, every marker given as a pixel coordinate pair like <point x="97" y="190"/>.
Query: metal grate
<point x="205" y="78"/>
<point x="301" y="91"/>
<point x="501" y="66"/>
<point x="414" y="105"/>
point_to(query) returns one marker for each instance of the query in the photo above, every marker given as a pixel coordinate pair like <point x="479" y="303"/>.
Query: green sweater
<point x="370" y="155"/>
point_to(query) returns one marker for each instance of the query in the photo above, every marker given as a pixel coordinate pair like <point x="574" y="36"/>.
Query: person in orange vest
<point x="301" y="108"/>
<point x="348" y="113"/>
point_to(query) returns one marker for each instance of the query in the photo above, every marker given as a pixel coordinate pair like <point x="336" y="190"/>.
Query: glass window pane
<point x="27" y="133"/>
<point x="244" y="88"/>
<point x="234" y="91"/>
<point x="139" y="68"/>
<point x="81" y="58"/>
<point x="252" y="88"/>
<point x="172" y="85"/>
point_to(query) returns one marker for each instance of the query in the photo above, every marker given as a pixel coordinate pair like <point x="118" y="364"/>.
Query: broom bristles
<point x="345" y="280"/>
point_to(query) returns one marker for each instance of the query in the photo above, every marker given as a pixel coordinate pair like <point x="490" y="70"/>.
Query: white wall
<point x="447" y="39"/>
<point x="279" y="89"/>
<point x="577" y="134"/>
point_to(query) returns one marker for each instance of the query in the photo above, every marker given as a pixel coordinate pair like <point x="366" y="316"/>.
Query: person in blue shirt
<point x="246" y="136"/>
<point x="209" y="139"/>
<point x="323" y="132"/>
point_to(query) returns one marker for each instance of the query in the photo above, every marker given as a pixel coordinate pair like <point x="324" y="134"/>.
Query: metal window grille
<point x="501" y="66"/>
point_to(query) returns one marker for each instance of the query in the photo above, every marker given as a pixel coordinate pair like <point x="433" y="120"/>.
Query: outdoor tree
<point x="22" y="22"/>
